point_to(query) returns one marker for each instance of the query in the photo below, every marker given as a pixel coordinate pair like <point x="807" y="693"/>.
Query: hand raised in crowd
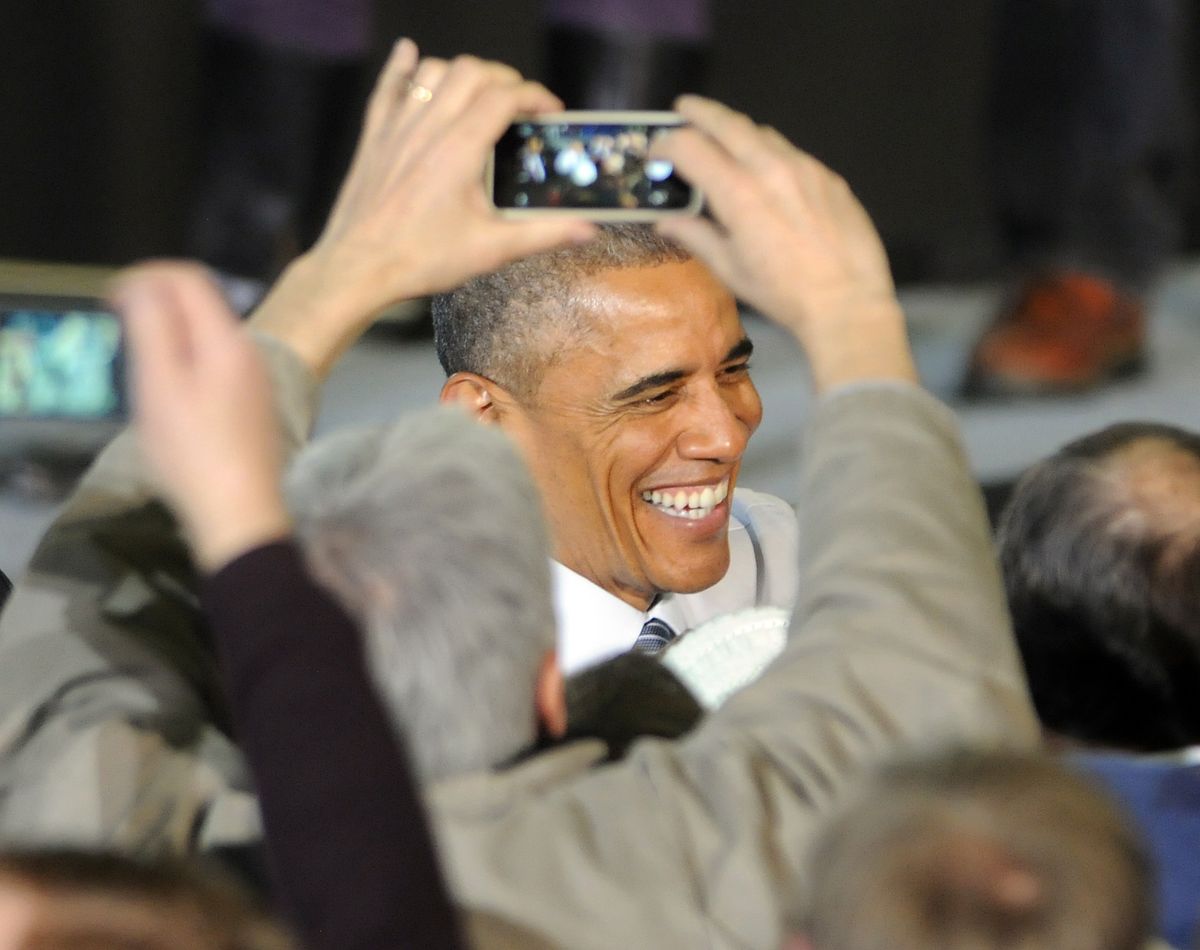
<point x="202" y="409"/>
<point x="790" y="239"/>
<point x="412" y="217"/>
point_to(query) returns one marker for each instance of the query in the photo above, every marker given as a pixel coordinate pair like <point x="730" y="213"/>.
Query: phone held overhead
<point x="589" y="164"/>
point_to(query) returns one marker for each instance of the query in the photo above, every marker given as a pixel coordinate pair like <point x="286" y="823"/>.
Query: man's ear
<point x="550" y="696"/>
<point x="474" y="393"/>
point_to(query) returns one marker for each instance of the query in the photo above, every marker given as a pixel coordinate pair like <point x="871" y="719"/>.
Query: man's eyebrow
<point x="646" y="383"/>
<point x="740" y="350"/>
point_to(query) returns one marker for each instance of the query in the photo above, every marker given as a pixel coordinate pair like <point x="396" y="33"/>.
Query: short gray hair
<point x="430" y="533"/>
<point x="506" y="325"/>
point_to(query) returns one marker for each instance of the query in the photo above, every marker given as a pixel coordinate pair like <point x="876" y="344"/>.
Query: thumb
<point x="704" y="240"/>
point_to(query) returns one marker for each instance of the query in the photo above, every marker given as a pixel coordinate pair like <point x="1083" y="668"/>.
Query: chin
<point x="684" y="580"/>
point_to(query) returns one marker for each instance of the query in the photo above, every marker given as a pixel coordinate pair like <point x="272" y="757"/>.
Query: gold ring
<point x="419" y="92"/>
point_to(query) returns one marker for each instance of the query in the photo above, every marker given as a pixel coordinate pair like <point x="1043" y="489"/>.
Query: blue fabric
<point x="1163" y="797"/>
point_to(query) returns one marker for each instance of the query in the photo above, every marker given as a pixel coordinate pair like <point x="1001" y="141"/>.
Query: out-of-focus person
<point x="68" y="900"/>
<point x="1100" y="549"/>
<point x="986" y="851"/>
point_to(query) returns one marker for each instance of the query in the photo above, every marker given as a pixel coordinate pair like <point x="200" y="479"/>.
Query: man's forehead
<point x="638" y="321"/>
<point x="639" y="300"/>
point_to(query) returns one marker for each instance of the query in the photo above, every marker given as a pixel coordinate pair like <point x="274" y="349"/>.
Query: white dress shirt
<point x="594" y="625"/>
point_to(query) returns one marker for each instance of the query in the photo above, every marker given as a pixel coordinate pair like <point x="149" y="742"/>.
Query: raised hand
<point x="789" y="238"/>
<point x="412" y="217"/>
<point x="202" y="409"/>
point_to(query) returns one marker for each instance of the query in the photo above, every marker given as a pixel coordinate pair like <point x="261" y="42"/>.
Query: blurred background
<point x="102" y="105"/>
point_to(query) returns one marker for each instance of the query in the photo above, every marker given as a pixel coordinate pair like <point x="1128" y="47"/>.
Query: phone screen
<point x="580" y="165"/>
<point x="60" y="359"/>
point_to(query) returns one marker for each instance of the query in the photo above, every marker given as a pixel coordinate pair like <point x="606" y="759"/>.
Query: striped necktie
<point x="655" y="635"/>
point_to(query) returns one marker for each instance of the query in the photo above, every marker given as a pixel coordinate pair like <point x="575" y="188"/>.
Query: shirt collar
<point x="593" y="625"/>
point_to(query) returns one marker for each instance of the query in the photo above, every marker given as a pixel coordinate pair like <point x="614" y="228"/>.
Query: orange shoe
<point x="1068" y="332"/>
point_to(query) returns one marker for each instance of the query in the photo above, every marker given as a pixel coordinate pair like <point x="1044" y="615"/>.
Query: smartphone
<point x="588" y="164"/>
<point x="60" y="358"/>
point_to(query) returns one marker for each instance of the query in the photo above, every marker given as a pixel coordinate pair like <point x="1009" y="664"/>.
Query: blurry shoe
<point x="1068" y="332"/>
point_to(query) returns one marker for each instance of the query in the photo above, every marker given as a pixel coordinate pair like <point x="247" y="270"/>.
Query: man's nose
<point x="716" y="429"/>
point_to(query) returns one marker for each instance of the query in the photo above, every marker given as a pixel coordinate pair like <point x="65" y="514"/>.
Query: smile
<point x="688" y="504"/>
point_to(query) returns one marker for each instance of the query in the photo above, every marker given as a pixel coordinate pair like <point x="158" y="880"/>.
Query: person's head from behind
<point x="978" y="851"/>
<point x="430" y="533"/>
<point x="1100" y="550"/>
<point x="620" y="367"/>
<point x="67" y="900"/>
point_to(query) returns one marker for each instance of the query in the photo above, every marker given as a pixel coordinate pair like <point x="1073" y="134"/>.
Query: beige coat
<point x="900" y="642"/>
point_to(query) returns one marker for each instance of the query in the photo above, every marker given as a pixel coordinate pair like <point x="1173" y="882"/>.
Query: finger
<point x="735" y="132"/>
<point x="414" y="100"/>
<point x="430" y="74"/>
<point x="729" y="189"/>
<point x="392" y="84"/>
<point x="705" y="241"/>
<point x="156" y="339"/>
<point x="466" y="77"/>
<point x="419" y="112"/>
<point x="210" y="323"/>
<point x="774" y="138"/>
<point x="493" y="111"/>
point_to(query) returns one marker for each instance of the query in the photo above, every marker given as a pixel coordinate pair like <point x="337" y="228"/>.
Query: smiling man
<point x="622" y="370"/>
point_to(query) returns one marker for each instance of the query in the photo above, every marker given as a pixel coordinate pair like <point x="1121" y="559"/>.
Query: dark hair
<point x="1101" y="562"/>
<point x="508" y="325"/>
<point x="627" y="697"/>
<point x="101" y="901"/>
<point x="1002" y="850"/>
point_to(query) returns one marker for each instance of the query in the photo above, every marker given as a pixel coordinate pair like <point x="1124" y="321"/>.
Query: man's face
<point x="636" y="432"/>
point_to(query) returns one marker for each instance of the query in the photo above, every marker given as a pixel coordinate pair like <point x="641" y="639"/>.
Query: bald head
<point x="1100" y="547"/>
<point x="508" y="325"/>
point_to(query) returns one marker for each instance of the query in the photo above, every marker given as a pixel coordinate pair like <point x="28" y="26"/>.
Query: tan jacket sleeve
<point x="900" y="642"/>
<point x="112" y="728"/>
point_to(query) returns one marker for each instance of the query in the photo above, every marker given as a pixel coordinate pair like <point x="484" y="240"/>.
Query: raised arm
<point x="352" y="859"/>
<point x="411" y="218"/>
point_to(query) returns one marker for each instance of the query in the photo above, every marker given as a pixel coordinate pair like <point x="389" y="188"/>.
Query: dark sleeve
<point x="351" y="853"/>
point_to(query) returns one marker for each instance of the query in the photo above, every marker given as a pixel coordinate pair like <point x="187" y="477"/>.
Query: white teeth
<point x="691" y="505"/>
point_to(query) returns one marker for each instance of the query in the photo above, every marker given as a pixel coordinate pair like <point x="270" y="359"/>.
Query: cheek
<point x="635" y="457"/>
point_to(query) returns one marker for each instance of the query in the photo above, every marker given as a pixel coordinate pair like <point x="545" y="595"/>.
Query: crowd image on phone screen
<point x="585" y="166"/>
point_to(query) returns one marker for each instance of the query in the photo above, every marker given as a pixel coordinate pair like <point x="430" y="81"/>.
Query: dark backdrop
<point x="99" y="99"/>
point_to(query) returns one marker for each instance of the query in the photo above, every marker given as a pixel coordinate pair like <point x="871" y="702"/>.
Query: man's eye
<point x="658" y="398"/>
<point x="736" y="370"/>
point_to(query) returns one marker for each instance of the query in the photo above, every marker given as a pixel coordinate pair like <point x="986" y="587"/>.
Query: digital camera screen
<point x="65" y="364"/>
<point x="585" y="166"/>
